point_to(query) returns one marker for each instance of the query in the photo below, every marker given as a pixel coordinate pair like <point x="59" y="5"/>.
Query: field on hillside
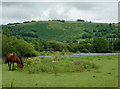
<point x="62" y="31"/>
<point x="104" y="76"/>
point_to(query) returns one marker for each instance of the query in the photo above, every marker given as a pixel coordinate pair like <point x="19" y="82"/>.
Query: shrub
<point x="78" y="52"/>
<point x="56" y="46"/>
<point x="100" y="45"/>
<point x="85" y="51"/>
<point x="117" y="44"/>
<point x="19" y="46"/>
<point x="37" y="65"/>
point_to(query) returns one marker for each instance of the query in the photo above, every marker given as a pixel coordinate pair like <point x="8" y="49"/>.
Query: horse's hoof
<point x="12" y="69"/>
<point x="9" y="69"/>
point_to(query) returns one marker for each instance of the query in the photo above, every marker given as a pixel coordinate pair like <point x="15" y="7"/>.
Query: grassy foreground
<point x="105" y="76"/>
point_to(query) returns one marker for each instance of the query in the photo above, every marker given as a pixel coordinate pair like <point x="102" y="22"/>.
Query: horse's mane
<point x="19" y="58"/>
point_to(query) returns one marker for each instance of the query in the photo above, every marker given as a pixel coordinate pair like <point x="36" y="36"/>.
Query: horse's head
<point x="21" y="66"/>
<point x="20" y="62"/>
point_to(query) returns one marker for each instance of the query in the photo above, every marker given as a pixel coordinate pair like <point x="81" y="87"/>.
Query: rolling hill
<point x="61" y="31"/>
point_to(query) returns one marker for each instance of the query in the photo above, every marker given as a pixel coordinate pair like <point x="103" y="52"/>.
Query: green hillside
<point x="61" y="31"/>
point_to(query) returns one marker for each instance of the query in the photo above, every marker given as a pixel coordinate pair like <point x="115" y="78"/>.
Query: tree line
<point x="16" y="44"/>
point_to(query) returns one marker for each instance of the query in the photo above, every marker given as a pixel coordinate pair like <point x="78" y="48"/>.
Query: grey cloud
<point x="81" y="5"/>
<point x="21" y="11"/>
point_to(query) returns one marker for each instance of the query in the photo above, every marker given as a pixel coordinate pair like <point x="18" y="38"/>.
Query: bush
<point x="80" y="20"/>
<point x="26" y="22"/>
<point x="19" y="46"/>
<point x="78" y="52"/>
<point x="56" y="46"/>
<point x="100" y="45"/>
<point x="36" y="65"/>
<point x="85" y="51"/>
<point x="117" y="44"/>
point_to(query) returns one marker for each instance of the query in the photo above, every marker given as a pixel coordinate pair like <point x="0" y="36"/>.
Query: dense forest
<point x="30" y="38"/>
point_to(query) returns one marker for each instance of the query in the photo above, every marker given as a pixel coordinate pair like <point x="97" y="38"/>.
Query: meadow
<point x="92" y="71"/>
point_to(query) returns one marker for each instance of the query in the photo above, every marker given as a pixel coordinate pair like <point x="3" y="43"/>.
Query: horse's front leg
<point x="13" y="67"/>
<point x="9" y="65"/>
<point x="17" y="64"/>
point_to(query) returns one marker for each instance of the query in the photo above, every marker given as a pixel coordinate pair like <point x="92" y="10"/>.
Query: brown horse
<point x="14" y="58"/>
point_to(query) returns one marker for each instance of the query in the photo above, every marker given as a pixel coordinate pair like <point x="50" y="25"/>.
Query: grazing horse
<point x="14" y="58"/>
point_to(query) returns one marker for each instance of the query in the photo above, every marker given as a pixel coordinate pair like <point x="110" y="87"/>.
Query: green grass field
<point x="105" y="76"/>
<point x="0" y="74"/>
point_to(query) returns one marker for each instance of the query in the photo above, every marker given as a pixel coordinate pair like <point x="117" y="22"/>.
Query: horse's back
<point x="11" y="57"/>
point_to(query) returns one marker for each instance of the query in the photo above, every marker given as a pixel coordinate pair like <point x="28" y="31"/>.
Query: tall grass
<point x="57" y="64"/>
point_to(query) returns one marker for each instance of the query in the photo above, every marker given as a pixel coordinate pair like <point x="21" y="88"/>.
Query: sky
<point x="103" y="12"/>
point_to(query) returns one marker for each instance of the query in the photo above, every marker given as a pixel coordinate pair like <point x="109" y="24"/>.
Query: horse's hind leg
<point x="9" y="65"/>
<point x="13" y="67"/>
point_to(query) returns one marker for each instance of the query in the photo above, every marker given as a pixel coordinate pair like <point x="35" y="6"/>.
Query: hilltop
<point x="61" y="30"/>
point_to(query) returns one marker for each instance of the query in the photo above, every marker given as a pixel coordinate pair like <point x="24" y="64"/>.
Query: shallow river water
<point x="85" y="54"/>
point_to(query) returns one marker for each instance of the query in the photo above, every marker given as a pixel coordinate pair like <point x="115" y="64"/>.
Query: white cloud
<point x="22" y="11"/>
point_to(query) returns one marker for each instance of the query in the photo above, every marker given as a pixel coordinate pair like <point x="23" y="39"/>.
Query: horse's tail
<point x="6" y="61"/>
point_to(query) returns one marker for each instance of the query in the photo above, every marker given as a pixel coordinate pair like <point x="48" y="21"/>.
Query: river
<point x="84" y="54"/>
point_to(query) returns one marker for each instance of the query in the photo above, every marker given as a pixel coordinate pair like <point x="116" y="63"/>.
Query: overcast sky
<point x="71" y="11"/>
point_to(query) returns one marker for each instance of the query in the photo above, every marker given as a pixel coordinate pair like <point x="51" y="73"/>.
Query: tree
<point x="80" y="20"/>
<point x="90" y="21"/>
<point x="117" y="45"/>
<point x="110" y="24"/>
<point x="13" y="45"/>
<point x="85" y="51"/>
<point x="98" y="34"/>
<point x="38" y="44"/>
<point x="89" y="47"/>
<point x="100" y="45"/>
<point x="6" y="32"/>
<point x="55" y="46"/>
<point x="85" y="35"/>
